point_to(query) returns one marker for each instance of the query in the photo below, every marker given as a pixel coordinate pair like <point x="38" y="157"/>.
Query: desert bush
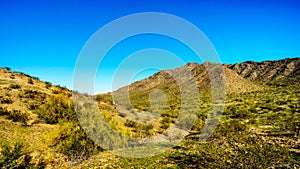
<point x="14" y="86"/>
<point x="232" y="146"/>
<point x="165" y="125"/>
<point x="36" y="78"/>
<point x="33" y="106"/>
<point x="30" y="81"/>
<point x="30" y="94"/>
<point x="238" y="111"/>
<point x="18" y="116"/>
<point x="62" y="88"/>
<point x="130" y="123"/>
<point x="7" y="68"/>
<point x="23" y="74"/>
<point x="104" y="98"/>
<point x="122" y="114"/>
<point x="12" y="76"/>
<point x="56" y="91"/>
<point x="166" y="120"/>
<point x="14" y="157"/>
<point x="4" y="111"/>
<point x="48" y="85"/>
<point x="72" y="141"/>
<point x="169" y="113"/>
<point x="198" y="124"/>
<point x="140" y="129"/>
<point x="6" y="100"/>
<point x="143" y="130"/>
<point x="57" y="109"/>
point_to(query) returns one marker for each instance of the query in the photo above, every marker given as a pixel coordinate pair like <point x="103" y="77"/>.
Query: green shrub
<point x="165" y="125"/>
<point x="18" y="116"/>
<point x="56" y="91"/>
<point x="239" y="111"/>
<point x="31" y="94"/>
<point x="72" y="141"/>
<point x="104" y="98"/>
<point x="7" y="68"/>
<point x="30" y="81"/>
<point x="232" y="146"/>
<point x="48" y="85"/>
<point x="6" y="100"/>
<point x="14" y="157"/>
<point x="33" y="106"/>
<point x="198" y="124"/>
<point x="14" y="86"/>
<point x="4" y="111"/>
<point x="170" y="113"/>
<point x="36" y="78"/>
<point x="140" y="129"/>
<point x="130" y="123"/>
<point x="57" y="109"/>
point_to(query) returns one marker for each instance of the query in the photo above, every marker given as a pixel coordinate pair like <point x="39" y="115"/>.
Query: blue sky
<point x="44" y="38"/>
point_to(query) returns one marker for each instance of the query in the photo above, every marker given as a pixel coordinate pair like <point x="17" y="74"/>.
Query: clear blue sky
<point x="44" y="38"/>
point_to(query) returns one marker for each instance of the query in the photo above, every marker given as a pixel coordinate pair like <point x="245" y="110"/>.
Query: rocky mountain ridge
<point x="284" y="71"/>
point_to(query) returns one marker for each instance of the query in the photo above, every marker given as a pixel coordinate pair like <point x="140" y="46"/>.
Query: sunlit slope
<point x="282" y="72"/>
<point x="24" y="94"/>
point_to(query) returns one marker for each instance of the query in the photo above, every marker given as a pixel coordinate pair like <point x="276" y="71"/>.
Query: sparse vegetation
<point x="7" y="68"/>
<point x="30" y="81"/>
<point x="4" y="111"/>
<point x="48" y="85"/>
<point x="15" y="86"/>
<point x="57" y="109"/>
<point x="104" y="98"/>
<point x="72" y="141"/>
<point x="18" y="116"/>
<point x="260" y="128"/>
<point x="6" y="100"/>
<point x="55" y="91"/>
<point x="14" y="157"/>
<point x="12" y="76"/>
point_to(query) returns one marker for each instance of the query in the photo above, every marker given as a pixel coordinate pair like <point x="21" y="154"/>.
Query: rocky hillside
<point x="194" y="71"/>
<point x="286" y="71"/>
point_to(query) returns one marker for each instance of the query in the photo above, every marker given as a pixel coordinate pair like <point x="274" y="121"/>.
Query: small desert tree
<point x="30" y="81"/>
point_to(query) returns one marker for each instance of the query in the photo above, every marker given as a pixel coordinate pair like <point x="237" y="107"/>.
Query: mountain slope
<point x="24" y="93"/>
<point x="170" y="81"/>
<point x="258" y="120"/>
<point x="286" y="71"/>
<point x="234" y="82"/>
<point x="189" y="89"/>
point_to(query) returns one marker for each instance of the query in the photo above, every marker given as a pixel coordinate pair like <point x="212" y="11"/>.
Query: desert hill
<point x="284" y="71"/>
<point x="23" y="93"/>
<point x="234" y="82"/>
<point x="260" y="124"/>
